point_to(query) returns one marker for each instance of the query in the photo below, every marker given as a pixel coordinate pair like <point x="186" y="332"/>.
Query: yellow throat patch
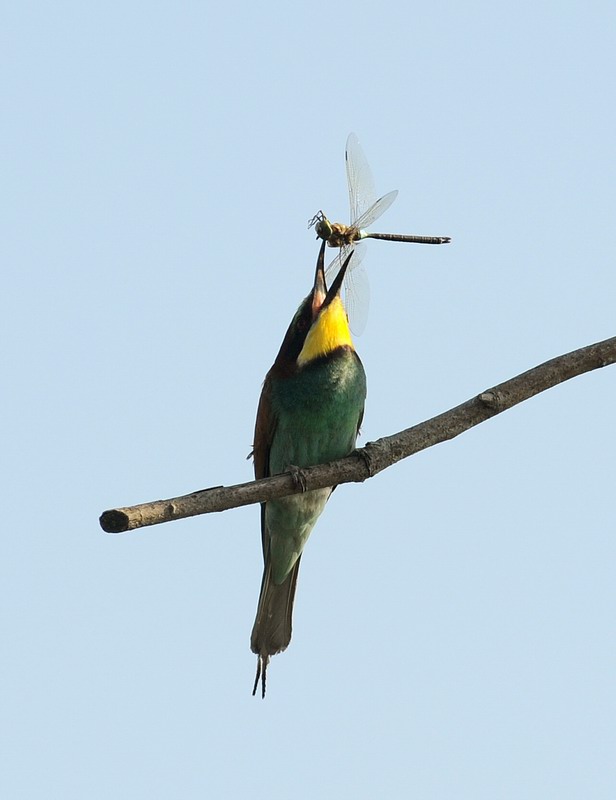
<point x="328" y="332"/>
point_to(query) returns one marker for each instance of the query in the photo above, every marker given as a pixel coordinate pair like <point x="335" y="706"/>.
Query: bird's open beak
<point x="320" y="295"/>
<point x="334" y="289"/>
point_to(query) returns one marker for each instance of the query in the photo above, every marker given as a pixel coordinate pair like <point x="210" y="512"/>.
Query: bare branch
<point x="375" y="456"/>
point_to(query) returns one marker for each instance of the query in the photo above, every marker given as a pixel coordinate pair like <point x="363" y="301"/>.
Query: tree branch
<point x="375" y="456"/>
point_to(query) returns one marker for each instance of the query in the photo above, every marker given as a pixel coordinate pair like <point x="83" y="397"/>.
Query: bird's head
<point x="320" y="324"/>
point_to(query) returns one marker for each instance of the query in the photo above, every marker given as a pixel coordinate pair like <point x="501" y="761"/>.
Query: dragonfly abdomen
<point x="399" y="237"/>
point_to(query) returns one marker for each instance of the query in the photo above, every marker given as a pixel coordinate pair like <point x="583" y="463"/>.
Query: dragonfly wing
<point x="376" y="209"/>
<point x="356" y="289"/>
<point x="333" y="268"/>
<point x="362" y="194"/>
<point x="365" y="209"/>
<point x="357" y="299"/>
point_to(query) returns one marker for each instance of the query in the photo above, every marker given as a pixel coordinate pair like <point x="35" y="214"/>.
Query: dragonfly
<point x="365" y="209"/>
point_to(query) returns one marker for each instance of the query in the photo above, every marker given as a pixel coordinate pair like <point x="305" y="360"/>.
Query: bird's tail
<point x="271" y="632"/>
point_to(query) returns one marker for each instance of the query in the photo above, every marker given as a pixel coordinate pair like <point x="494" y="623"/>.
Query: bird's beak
<point x="320" y="296"/>
<point x="319" y="290"/>
<point x="334" y="289"/>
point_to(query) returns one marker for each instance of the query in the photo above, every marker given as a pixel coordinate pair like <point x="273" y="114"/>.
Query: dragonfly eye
<point x="324" y="229"/>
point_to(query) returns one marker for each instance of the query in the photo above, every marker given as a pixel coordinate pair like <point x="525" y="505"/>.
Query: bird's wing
<point x="360" y="420"/>
<point x="265" y="428"/>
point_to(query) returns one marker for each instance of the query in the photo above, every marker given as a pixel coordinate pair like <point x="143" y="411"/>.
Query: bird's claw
<point x="366" y="456"/>
<point x="298" y="477"/>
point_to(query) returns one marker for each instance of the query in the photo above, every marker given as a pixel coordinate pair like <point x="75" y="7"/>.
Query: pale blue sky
<point x="454" y="626"/>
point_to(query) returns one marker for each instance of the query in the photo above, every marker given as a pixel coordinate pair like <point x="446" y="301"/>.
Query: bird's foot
<point x="298" y="477"/>
<point x="367" y="457"/>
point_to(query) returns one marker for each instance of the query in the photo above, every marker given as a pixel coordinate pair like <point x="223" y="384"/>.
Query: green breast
<point x="317" y="411"/>
<point x="317" y="414"/>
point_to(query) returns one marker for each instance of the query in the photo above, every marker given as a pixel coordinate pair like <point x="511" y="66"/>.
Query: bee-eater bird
<point x="310" y="410"/>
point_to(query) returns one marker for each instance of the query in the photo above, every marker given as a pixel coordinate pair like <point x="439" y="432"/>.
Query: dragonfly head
<point x="322" y="226"/>
<point x="324" y="229"/>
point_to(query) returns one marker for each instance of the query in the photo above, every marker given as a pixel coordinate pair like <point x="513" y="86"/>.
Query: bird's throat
<point x="329" y="331"/>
